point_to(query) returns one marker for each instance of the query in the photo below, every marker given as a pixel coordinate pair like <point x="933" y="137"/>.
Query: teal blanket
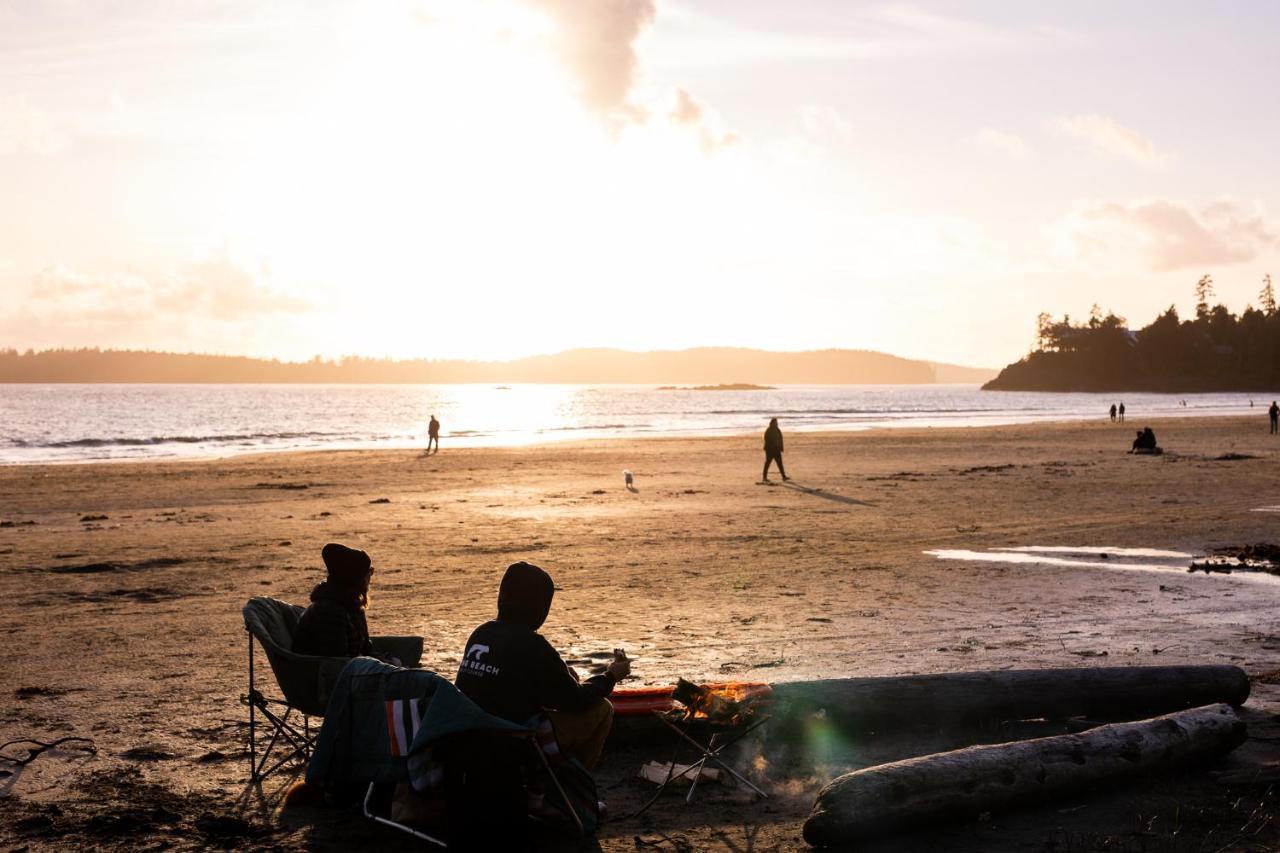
<point x="383" y="720"/>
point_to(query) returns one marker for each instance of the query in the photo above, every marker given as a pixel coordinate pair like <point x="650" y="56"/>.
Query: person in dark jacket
<point x="511" y="671"/>
<point x="334" y="625"/>
<point x="1274" y="414"/>
<point x="433" y="435"/>
<point x="773" y="450"/>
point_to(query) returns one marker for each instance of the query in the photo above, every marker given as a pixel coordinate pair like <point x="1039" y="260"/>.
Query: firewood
<point x="967" y="782"/>
<point x="964" y="698"/>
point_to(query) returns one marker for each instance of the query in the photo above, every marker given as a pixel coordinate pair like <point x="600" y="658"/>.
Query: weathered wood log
<point x="963" y="698"/>
<point x="968" y="782"/>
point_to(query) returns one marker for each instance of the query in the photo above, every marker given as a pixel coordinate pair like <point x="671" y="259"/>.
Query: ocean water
<point x="75" y="423"/>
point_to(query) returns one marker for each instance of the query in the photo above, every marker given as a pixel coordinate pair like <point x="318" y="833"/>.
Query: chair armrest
<point x="407" y="649"/>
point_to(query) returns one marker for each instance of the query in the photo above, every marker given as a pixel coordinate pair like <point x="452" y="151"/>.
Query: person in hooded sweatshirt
<point x="511" y="671"/>
<point x="334" y="624"/>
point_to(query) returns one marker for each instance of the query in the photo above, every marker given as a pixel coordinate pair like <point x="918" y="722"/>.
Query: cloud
<point x="27" y="130"/>
<point x="1168" y="235"/>
<point x="688" y="112"/>
<point x="1004" y="142"/>
<point x="132" y="306"/>
<point x="1108" y="136"/>
<point x="595" y="40"/>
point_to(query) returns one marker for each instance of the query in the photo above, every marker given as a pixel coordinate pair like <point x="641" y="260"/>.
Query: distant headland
<point x="730" y="386"/>
<point x="1214" y="351"/>
<point x="705" y="366"/>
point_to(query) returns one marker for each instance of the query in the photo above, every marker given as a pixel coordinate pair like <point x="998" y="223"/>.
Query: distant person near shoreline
<point x="1121" y="412"/>
<point x="1274" y="414"/>
<point x="1113" y="412"/>
<point x="773" y="451"/>
<point x="433" y="435"/>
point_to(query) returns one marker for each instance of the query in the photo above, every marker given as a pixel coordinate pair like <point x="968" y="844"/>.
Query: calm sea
<point x="74" y="423"/>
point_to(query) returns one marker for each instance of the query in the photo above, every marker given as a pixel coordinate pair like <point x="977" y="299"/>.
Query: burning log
<point x="958" y="698"/>
<point x="724" y="704"/>
<point x="968" y="782"/>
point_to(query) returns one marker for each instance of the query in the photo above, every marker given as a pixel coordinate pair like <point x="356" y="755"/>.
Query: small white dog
<point x="627" y="479"/>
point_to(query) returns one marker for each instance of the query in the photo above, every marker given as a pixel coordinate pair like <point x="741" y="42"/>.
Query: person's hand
<point x="620" y="668"/>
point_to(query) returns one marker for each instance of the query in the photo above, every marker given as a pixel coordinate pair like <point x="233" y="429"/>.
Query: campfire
<point x="731" y="703"/>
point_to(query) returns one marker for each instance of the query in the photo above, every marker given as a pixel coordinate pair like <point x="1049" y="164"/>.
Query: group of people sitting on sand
<point x="1145" y="442"/>
<point x="508" y="668"/>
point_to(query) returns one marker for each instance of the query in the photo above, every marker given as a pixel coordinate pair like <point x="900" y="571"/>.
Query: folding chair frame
<point x="419" y="834"/>
<point x="285" y="732"/>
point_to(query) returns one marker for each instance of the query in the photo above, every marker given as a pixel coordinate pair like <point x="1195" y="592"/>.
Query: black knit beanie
<point x="346" y="566"/>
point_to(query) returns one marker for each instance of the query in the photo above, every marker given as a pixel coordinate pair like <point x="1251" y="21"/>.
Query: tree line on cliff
<point x="1214" y="351"/>
<point x="580" y="366"/>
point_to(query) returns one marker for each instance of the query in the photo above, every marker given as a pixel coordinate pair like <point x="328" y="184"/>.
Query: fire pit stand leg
<point x="713" y="753"/>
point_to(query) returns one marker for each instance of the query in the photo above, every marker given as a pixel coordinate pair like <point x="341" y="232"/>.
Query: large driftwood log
<point x="958" y="698"/>
<point x="967" y="782"/>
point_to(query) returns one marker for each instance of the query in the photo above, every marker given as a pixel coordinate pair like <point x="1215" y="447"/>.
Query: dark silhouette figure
<point x="773" y="450"/>
<point x="511" y="671"/>
<point x="334" y="624"/>
<point x="433" y="435"/>
<point x="1274" y="414"/>
<point x="1145" y="442"/>
<point x="1122" y="413"/>
<point x="1113" y="412"/>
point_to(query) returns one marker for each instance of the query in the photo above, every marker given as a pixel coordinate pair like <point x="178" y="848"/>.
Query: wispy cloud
<point x="1166" y="235"/>
<point x="801" y="33"/>
<point x="688" y="112"/>
<point x="1108" y="136"/>
<point x="212" y="293"/>
<point x="1004" y="142"/>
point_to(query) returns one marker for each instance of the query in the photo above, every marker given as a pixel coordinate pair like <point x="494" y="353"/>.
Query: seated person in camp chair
<point x="334" y="624"/>
<point x="511" y="671"/>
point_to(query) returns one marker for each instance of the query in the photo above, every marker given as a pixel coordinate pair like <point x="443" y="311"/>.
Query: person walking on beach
<point x="773" y="450"/>
<point x="1122" y="412"/>
<point x="433" y="434"/>
<point x="1113" y="412"/>
<point x="1274" y="414"/>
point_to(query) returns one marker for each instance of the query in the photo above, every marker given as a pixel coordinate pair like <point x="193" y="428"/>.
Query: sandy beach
<point x="121" y="587"/>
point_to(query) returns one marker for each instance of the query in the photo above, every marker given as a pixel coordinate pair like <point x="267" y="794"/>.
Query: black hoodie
<point x="509" y="669"/>
<point x="334" y="624"/>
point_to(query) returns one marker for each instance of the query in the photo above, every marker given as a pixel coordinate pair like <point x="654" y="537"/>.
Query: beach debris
<point x="988" y="469"/>
<point x="84" y="519"/>
<point x="23" y="751"/>
<point x="284" y="486"/>
<point x="963" y="698"/>
<point x="966" y="783"/>
<point x="380" y="501"/>
<point x="1261" y="557"/>
<point x="147" y="753"/>
<point x="659" y="773"/>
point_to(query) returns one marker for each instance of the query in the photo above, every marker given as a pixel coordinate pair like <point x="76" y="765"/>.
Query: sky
<point x="496" y="178"/>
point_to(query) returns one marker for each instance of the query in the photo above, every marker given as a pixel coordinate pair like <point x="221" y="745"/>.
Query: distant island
<point x="733" y="386"/>
<point x="698" y="366"/>
<point x="1215" y="351"/>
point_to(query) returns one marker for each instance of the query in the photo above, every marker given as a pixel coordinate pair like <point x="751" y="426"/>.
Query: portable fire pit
<point x="728" y="712"/>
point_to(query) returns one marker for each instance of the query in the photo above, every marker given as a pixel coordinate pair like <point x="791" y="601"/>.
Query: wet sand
<point x="121" y="587"/>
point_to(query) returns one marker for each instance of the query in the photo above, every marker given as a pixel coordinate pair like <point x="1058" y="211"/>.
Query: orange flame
<point x="726" y="702"/>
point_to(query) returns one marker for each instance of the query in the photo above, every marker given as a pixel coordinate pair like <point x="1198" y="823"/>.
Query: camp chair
<point x="387" y="726"/>
<point x="304" y="680"/>
<point x="570" y="795"/>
